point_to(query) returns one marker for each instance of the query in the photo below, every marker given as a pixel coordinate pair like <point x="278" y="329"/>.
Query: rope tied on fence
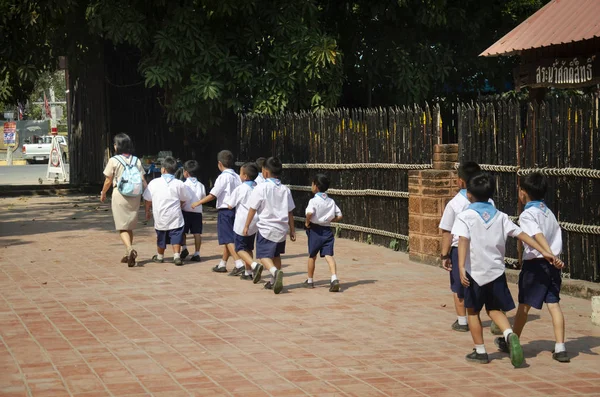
<point x="361" y="229"/>
<point x="569" y="171"/>
<point x="359" y="192"/>
<point x="570" y="227"/>
<point x="353" y="166"/>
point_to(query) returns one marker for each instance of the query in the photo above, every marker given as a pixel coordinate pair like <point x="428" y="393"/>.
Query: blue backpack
<point x="130" y="183"/>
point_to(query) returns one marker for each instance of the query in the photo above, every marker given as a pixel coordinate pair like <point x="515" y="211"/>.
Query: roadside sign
<point x="9" y="115"/>
<point x="10" y="133"/>
<point x="56" y="165"/>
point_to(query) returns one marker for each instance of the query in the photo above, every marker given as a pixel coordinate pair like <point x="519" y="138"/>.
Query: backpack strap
<point x="123" y="163"/>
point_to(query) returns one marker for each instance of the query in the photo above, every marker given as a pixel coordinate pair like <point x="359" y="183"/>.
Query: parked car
<point x="38" y="148"/>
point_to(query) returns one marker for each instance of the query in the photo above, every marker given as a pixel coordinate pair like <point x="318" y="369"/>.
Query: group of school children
<point x="253" y="208"/>
<point x="473" y="246"/>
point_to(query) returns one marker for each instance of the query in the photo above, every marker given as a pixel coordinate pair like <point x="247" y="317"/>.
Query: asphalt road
<point x="25" y="174"/>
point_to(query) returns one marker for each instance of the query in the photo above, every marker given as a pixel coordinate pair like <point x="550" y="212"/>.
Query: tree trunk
<point x="89" y="141"/>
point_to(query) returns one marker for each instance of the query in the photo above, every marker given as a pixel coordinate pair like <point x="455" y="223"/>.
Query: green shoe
<point x="278" y="285"/>
<point x="156" y="260"/>
<point x="515" y="350"/>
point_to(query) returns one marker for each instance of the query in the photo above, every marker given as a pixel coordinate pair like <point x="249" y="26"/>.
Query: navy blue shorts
<point x="225" y="234"/>
<point x="244" y="243"/>
<point x="267" y="248"/>
<point x="539" y="283"/>
<point x="193" y="222"/>
<point x="494" y="295"/>
<point x="164" y="237"/>
<point x="455" y="284"/>
<point x="320" y="240"/>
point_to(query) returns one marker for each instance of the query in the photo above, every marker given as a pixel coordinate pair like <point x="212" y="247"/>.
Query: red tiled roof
<point x="558" y="22"/>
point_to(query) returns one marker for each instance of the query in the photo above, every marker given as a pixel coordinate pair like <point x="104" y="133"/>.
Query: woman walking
<point x="124" y="208"/>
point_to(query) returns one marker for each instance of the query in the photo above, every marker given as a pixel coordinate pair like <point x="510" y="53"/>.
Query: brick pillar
<point x="430" y="191"/>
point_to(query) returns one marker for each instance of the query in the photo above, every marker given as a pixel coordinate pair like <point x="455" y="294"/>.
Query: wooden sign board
<point x="574" y="72"/>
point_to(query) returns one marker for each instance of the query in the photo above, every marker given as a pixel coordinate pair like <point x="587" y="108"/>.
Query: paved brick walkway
<point x="76" y="322"/>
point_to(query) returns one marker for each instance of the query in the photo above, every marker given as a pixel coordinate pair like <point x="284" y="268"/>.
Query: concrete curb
<point x="48" y="190"/>
<point x="15" y="162"/>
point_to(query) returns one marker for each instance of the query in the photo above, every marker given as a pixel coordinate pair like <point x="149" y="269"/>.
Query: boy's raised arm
<point x="205" y="200"/>
<point x="524" y="237"/>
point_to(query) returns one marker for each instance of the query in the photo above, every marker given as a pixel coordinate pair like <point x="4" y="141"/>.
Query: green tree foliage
<point x="405" y="51"/>
<point x="211" y="57"/>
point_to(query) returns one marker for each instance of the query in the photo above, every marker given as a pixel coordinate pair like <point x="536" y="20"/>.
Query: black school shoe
<point x="156" y="260"/>
<point x="257" y="273"/>
<point x="475" y="357"/>
<point x="237" y="271"/>
<point x="335" y="286"/>
<point x="561" y="357"/>
<point x="268" y="285"/>
<point x="248" y="277"/>
<point x="278" y="285"/>
<point x="184" y="253"/>
<point x="218" y="269"/>
<point x="502" y="345"/>
<point x="306" y="284"/>
<point x="195" y="258"/>
<point x="460" y="328"/>
<point x="178" y="261"/>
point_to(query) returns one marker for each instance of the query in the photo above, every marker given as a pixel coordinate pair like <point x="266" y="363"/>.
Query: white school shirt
<point x="487" y="231"/>
<point x="197" y="192"/>
<point x="166" y="195"/>
<point x="537" y="218"/>
<point x="224" y="185"/>
<point x="458" y="204"/>
<point x="260" y="178"/>
<point x="323" y="209"/>
<point x="273" y="202"/>
<point x="239" y="199"/>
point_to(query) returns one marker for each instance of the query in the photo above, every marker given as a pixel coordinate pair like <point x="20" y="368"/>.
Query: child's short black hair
<point x="467" y="169"/>
<point x="251" y="171"/>
<point x="192" y="168"/>
<point x="321" y="182"/>
<point x="170" y="165"/>
<point x="123" y="144"/>
<point x="260" y="163"/>
<point x="226" y="158"/>
<point x="274" y="166"/>
<point x="535" y="185"/>
<point x="482" y="186"/>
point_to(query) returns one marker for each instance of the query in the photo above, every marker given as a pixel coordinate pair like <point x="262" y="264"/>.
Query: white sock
<point x="183" y="247"/>
<point x="239" y="264"/>
<point x="462" y="320"/>
<point x="197" y="253"/>
<point x="310" y="280"/>
<point x="272" y="271"/>
<point x="507" y="332"/>
<point x="480" y="349"/>
<point x="159" y="256"/>
<point x="222" y="263"/>
<point x="559" y="347"/>
<point x="176" y="255"/>
<point x="247" y="272"/>
<point x="333" y="278"/>
<point x="253" y="265"/>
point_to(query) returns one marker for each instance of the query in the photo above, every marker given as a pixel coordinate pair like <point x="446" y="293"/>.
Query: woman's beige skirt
<point x="125" y="210"/>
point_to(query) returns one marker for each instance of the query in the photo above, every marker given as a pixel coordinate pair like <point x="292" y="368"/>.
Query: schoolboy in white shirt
<point x="260" y="163"/>
<point x="192" y="216"/>
<point x="238" y="200"/>
<point x="539" y="281"/>
<point x="166" y="195"/>
<point x="320" y="212"/>
<point x="449" y="255"/>
<point x="483" y="231"/>
<point x="274" y="204"/>
<point x="224" y="185"/>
